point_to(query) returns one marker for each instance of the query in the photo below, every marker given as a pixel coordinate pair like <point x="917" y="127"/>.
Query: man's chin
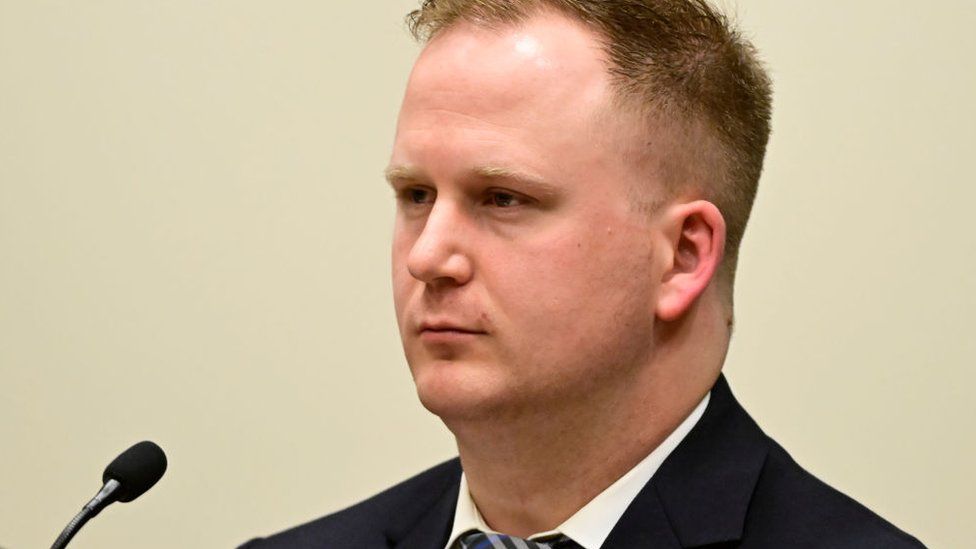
<point x="457" y="393"/>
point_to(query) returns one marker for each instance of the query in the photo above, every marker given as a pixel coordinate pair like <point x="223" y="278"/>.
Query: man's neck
<point x="530" y="475"/>
<point x="531" y="472"/>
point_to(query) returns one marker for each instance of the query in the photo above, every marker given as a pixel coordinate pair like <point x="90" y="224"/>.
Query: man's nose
<point x="438" y="256"/>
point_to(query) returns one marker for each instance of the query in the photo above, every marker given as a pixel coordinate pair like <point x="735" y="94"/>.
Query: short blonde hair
<point x="679" y="61"/>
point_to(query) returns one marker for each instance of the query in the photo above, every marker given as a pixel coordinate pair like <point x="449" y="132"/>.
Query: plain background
<point x="194" y="249"/>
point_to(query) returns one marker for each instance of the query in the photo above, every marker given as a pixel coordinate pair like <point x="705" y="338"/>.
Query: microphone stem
<point x="72" y="528"/>
<point x="92" y="508"/>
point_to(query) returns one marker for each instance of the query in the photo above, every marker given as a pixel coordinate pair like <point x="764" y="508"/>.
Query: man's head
<point x="675" y="65"/>
<point x="560" y="197"/>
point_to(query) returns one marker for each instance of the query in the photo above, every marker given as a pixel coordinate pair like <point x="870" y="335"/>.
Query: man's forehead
<point x="543" y="59"/>
<point x="536" y="96"/>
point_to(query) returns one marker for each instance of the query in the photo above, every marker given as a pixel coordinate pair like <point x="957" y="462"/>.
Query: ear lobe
<point x="697" y="245"/>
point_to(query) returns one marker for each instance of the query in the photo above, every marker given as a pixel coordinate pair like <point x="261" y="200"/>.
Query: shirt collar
<point x="591" y="525"/>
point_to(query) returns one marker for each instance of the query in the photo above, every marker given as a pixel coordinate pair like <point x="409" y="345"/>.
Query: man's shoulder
<point x="729" y="483"/>
<point x="793" y="508"/>
<point x="372" y="522"/>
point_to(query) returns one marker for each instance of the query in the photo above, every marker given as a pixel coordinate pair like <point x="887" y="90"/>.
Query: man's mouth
<point x="447" y="331"/>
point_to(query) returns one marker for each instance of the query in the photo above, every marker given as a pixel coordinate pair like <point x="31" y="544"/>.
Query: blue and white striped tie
<point x="480" y="540"/>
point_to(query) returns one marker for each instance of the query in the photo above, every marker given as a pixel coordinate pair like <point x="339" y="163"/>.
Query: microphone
<point x="126" y="478"/>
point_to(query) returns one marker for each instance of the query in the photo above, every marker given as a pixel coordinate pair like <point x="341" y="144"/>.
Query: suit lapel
<point x="644" y="524"/>
<point x="431" y="531"/>
<point x="701" y="493"/>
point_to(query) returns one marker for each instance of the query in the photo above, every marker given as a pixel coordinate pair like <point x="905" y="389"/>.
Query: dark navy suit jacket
<point x="726" y="485"/>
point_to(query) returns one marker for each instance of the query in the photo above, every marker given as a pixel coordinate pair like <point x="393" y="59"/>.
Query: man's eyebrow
<point x="402" y="173"/>
<point x="537" y="184"/>
<point x="487" y="172"/>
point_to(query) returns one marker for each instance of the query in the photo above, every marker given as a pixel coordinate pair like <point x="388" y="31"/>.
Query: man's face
<point x="522" y="273"/>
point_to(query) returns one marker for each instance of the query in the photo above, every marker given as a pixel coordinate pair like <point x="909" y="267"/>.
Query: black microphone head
<point x="136" y="469"/>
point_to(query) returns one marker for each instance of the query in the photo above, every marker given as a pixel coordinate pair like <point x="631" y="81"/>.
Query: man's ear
<point x="696" y="238"/>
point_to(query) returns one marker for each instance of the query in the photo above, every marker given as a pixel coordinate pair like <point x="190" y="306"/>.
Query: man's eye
<point x="417" y="195"/>
<point x="502" y="199"/>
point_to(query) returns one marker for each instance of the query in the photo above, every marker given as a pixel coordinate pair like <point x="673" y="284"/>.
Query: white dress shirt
<point x="591" y="525"/>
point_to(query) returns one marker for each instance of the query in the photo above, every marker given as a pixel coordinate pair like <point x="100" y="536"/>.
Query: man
<point x="573" y="180"/>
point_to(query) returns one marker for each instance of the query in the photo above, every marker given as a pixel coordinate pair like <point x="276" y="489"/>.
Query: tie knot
<point x="481" y="540"/>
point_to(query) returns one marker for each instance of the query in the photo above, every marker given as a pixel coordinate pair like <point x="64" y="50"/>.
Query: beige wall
<point x="194" y="243"/>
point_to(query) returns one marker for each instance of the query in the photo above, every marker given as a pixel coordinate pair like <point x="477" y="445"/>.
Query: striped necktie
<point x="480" y="540"/>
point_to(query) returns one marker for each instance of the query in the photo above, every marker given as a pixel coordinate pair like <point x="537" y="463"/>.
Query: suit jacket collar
<point x="699" y="496"/>
<point x="702" y="491"/>
<point x="433" y="527"/>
